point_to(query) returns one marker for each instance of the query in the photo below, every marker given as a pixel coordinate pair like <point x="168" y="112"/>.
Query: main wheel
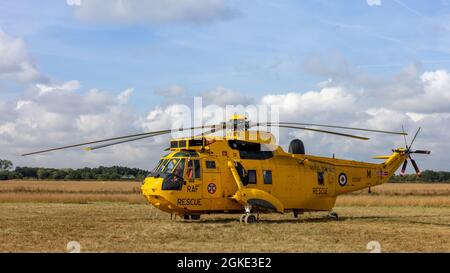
<point x="333" y="215"/>
<point x="250" y="219"/>
<point x="242" y="218"/>
<point x="195" y="217"/>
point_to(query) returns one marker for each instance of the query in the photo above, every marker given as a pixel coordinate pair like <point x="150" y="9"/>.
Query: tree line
<point x="125" y="173"/>
<point x="100" y="173"/>
<point x="427" y="176"/>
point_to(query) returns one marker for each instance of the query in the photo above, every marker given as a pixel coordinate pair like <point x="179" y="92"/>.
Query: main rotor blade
<point x="117" y="138"/>
<point x="404" y="137"/>
<point x="333" y="126"/>
<point x="119" y="142"/>
<point x="214" y="130"/>
<point x="319" y="131"/>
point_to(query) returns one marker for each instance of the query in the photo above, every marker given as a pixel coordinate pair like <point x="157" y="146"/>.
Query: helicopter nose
<point x="151" y="186"/>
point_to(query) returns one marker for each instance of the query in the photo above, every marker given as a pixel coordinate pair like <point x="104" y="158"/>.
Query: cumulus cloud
<point x="172" y="91"/>
<point x="52" y="114"/>
<point x="15" y="63"/>
<point x="61" y="115"/>
<point x="222" y="96"/>
<point x="373" y="2"/>
<point x="153" y="11"/>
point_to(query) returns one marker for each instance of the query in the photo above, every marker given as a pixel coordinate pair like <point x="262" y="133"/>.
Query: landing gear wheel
<point x="333" y="216"/>
<point x="195" y="217"/>
<point x="241" y="219"/>
<point x="250" y="219"/>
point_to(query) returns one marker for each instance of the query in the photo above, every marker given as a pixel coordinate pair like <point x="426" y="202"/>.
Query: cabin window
<point x="320" y="178"/>
<point x="267" y="177"/>
<point x="210" y="164"/>
<point x="195" y="142"/>
<point x="182" y="144"/>
<point x="249" y="150"/>
<point x="242" y="173"/>
<point x="186" y="154"/>
<point x="251" y="176"/>
<point x="193" y="169"/>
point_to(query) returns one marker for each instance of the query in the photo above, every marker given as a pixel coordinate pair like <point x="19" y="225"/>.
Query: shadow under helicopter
<point x="393" y="219"/>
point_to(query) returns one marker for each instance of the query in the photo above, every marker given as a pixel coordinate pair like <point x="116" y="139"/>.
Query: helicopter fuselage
<point x="218" y="175"/>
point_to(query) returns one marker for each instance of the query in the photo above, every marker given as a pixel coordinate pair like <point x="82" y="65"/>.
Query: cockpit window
<point x="161" y="166"/>
<point x="179" y="169"/>
<point x="171" y="165"/>
<point x="157" y="165"/>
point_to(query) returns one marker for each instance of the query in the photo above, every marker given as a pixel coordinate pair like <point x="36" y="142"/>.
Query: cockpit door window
<point x="193" y="169"/>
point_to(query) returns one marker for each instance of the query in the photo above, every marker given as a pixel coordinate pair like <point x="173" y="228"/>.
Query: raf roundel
<point x="342" y="179"/>
<point x="212" y="188"/>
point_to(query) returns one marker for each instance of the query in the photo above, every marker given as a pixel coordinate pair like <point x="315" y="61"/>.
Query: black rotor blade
<point x="119" y="142"/>
<point x="213" y="130"/>
<point x="416" y="168"/>
<point x="421" y="152"/>
<point x="333" y="126"/>
<point x="118" y="138"/>
<point x="405" y="163"/>
<point x="318" y="130"/>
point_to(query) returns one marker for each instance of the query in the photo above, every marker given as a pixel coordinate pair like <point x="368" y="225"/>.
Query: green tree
<point x="5" y="165"/>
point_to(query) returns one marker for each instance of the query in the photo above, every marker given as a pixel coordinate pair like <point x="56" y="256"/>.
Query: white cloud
<point x="172" y="91"/>
<point x="153" y="11"/>
<point x="68" y="86"/>
<point x="334" y="99"/>
<point x="222" y="96"/>
<point x="123" y="97"/>
<point x="374" y="2"/>
<point x="15" y="63"/>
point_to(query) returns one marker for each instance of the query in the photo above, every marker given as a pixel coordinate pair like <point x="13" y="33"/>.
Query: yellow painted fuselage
<point x="227" y="180"/>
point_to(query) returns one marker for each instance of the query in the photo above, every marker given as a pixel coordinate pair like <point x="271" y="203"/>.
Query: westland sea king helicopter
<point x="244" y="171"/>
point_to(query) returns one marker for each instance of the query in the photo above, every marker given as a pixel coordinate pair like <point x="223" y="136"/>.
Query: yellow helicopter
<point x="246" y="172"/>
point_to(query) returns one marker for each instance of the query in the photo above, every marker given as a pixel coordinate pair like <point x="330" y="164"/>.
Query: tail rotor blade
<point x="416" y="168"/>
<point x="410" y="145"/>
<point x="422" y="152"/>
<point x="402" y="173"/>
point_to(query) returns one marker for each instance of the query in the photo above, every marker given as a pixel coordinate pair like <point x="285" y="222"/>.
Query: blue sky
<point x="375" y="52"/>
<point x="261" y="49"/>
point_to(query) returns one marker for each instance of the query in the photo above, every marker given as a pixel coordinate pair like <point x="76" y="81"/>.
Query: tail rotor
<point x="408" y="153"/>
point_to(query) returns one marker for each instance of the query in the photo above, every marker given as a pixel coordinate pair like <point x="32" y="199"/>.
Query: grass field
<point x="44" y="216"/>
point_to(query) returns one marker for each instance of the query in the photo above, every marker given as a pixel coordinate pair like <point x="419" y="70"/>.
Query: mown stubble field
<point x="40" y="216"/>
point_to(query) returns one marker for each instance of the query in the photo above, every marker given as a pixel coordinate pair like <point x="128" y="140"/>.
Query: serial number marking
<point x="320" y="191"/>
